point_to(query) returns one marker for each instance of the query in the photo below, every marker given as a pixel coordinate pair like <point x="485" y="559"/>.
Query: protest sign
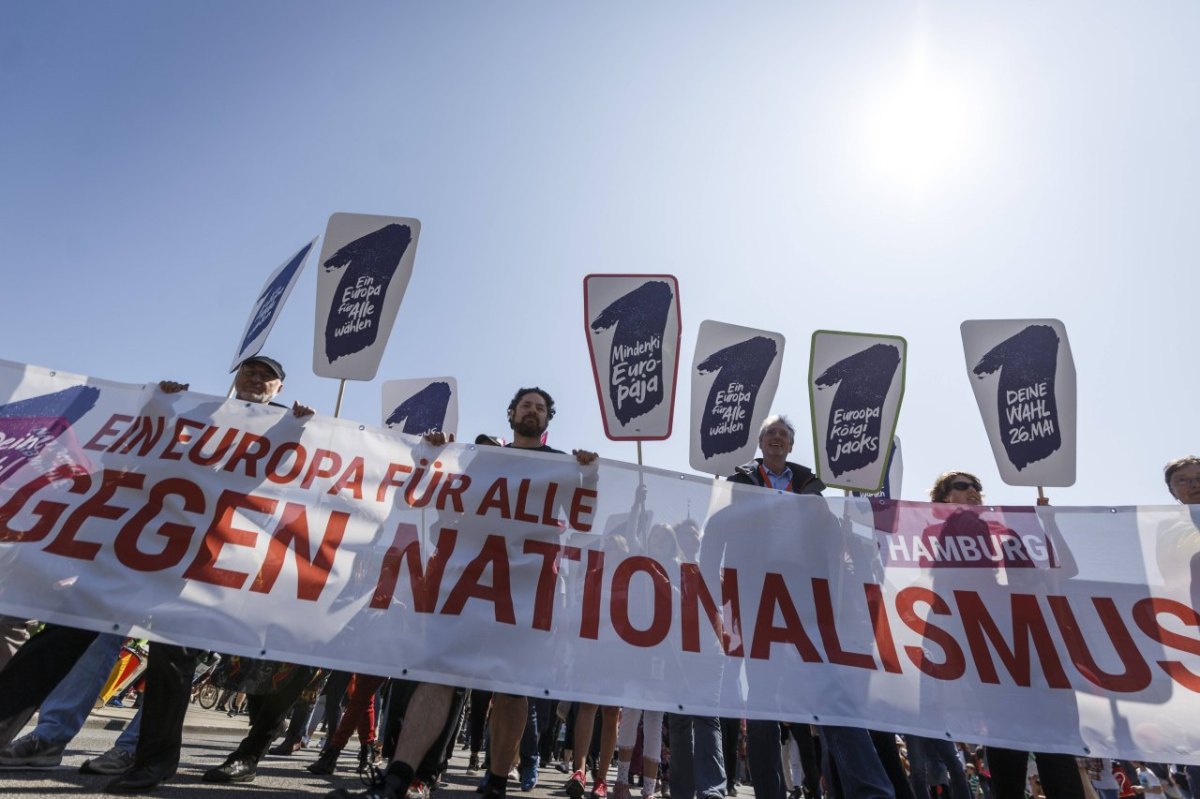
<point x="365" y="265"/>
<point x="855" y="385"/>
<point x="734" y="376"/>
<point x="236" y="527"/>
<point x="633" y="329"/>
<point x="269" y="303"/>
<point x="893" y="475"/>
<point x="1023" y="376"/>
<point x="421" y="405"/>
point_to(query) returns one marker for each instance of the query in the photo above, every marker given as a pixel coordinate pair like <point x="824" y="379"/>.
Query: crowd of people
<point x="406" y="730"/>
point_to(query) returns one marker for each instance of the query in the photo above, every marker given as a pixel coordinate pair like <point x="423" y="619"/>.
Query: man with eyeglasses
<point x="38" y="667"/>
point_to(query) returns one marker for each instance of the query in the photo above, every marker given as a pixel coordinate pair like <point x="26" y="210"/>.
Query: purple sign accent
<point x="28" y="426"/>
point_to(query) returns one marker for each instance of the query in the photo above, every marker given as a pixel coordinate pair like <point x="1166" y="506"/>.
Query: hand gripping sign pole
<point x="365" y="265"/>
<point x="632" y="323"/>
<point x="1023" y="376"/>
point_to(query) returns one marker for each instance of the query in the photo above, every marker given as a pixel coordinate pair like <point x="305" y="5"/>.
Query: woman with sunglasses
<point x="1059" y="774"/>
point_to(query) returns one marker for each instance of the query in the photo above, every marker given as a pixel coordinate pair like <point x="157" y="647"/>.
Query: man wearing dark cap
<point x="43" y="662"/>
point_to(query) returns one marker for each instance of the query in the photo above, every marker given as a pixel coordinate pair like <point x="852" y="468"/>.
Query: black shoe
<point x="237" y="768"/>
<point x="139" y="780"/>
<point x="326" y="762"/>
<point x="383" y="786"/>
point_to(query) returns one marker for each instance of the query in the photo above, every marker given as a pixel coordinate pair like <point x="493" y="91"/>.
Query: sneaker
<point x="31" y="751"/>
<point x="114" y="761"/>
<point x="473" y="763"/>
<point x="599" y="790"/>
<point x="383" y="786"/>
<point x="575" y="788"/>
<point x="731" y="790"/>
<point x="529" y="775"/>
<point x="620" y="790"/>
<point x="417" y="790"/>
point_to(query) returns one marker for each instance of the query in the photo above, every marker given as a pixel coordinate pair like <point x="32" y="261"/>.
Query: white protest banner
<point x="1023" y="376"/>
<point x="855" y="386"/>
<point x="421" y="405"/>
<point x="734" y="376"/>
<point x="269" y="303"/>
<point x="237" y="527"/>
<point x="366" y="262"/>
<point x="633" y="329"/>
<point x="894" y="476"/>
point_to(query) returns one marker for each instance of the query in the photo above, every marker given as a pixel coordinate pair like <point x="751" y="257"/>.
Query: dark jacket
<point x="803" y="479"/>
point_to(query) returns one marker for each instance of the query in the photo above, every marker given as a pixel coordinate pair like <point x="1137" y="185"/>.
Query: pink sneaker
<point x="575" y="786"/>
<point x="599" y="790"/>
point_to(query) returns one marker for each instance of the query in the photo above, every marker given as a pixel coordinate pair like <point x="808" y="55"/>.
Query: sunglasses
<point x="963" y="485"/>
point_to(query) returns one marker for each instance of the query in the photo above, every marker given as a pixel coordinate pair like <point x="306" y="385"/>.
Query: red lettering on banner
<point x="1028" y="624"/>
<point x="146" y="431"/>
<point x="221" y="533"/>
<point x="95" y="507"/>
<point x="593" y="583"/>
<point x="286" y="448"/>
<point x="452" y="491"/>
<point x="196" y="452"/>
<point x="519" y="513"/>
<point x="543" y="598"/>
<point x="311" y="572"/>
<point x="955" y="664"/>
<point x="389" y="479"/>
<point x="495" y="554"/>
<point x="694" y="591"/>
<point x="1136" y="675"/>
<point x="775" y="595"/>
<point x="827" y="627"/>
<point x="351" y="479"/>
<point x="548" y="508"/>
<point x="325" y="463"/>
<point x="179" y="436"/>
<point x="108" y="429"/>
<point x="178" y="536"/>
<point x="660" y="623"/>
<point x="496" y="498"/>
<point x="47" y="512"/>
<point x="579" y="508"/>
<point x="425" y="583"/>
<point x="250" y="450"/>
<point x="1145" y="615"/>
<point x="885" y="644"/>
<point x="430" y="490"/>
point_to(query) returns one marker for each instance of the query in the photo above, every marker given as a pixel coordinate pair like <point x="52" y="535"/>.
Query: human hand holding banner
<point x="856" y="384"/>
<point x="734" y="376"/>
<point x="366" y="263"/>
<point x="633" y="329"/>
<point x="1023" y="377"/>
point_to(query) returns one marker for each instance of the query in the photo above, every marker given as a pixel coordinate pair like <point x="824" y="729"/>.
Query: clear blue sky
<point x="878" y="167"/>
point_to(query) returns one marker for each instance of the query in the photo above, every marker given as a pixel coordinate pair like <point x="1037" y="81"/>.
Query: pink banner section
<point x="240" y="528"/>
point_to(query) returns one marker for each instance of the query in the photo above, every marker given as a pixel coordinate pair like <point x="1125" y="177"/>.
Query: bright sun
<point x="920" y="130"/>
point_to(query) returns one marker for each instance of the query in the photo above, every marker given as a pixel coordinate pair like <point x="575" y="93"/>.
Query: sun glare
<point x="919" y="129"/>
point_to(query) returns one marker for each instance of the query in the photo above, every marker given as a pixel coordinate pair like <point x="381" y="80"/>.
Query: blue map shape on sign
<point x="369" y="263"/>
<point x="28" y="426"/>
<point x="267" y="304"/>
<point x="741" y="369"/>
<point x="1025" y="395"/>
<point x="636" y="372"/>
<point x="852" y="440"/>
<point x="423" y="412"/>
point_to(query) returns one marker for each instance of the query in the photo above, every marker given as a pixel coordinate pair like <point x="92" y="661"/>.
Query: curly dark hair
<point x="512" y="406"/>
<point x="941" y="486"/>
